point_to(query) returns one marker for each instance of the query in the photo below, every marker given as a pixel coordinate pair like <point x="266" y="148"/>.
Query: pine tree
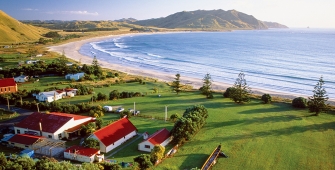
<point x="176" y="84"/>
<point x="241" y="91"/>
<point x="206" y="88"/>
<point x="317" y="102"/>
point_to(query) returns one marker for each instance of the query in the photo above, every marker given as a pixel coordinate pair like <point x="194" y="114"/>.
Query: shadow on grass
<point x="285" y="131"/>
<point x="270" y="119"/>
<point x="190" y="162"/>
<point x="278" y="107"/>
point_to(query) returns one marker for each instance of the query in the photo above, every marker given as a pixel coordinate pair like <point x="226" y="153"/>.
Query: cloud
<point x="29" y="9"/>
<point x="74" y="12"/>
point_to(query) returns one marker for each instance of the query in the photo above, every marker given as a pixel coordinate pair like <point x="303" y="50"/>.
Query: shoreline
<point x="71" y="50"/>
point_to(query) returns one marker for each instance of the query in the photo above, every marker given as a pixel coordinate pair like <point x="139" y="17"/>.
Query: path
<point x="120" y="148"/>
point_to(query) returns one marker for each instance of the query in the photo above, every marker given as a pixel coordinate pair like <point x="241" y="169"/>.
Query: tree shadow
<point x="189" y="162"/>
<point x="284" y="131"/>
<point x="278" y="108"/>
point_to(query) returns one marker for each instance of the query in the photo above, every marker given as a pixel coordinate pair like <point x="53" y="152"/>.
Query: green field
<point x="253" y="135"/>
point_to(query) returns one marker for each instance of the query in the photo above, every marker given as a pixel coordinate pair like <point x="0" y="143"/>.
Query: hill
<point x="206" y="20"/>
<point x="12" y="30"/>
<point x="274" y="25"/>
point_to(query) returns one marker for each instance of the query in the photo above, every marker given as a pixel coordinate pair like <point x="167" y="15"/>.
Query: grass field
<point x="253" y="135"/>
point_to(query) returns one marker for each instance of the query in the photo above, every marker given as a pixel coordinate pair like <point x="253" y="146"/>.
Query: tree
<point x="99" y="122"/>
<point x="176" y="84"/>
<point x="174" y="117"/>
<point x="3" y="160"/>
<point x="91" y="143"/>
<point x="317" y="102"/>
<point x="228" y="92"/>
<point x="299" y="102"/>
<point x="97" y="71"/>
<point x="143" y="161"/>
<point x="266" y="98"/>
<point x="241" y="92"/>
<point x="157" y="153"/>
<point x="206" y="88"/>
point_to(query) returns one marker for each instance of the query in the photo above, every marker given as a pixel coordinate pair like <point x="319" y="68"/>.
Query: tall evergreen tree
<point x="176" y="84"/>
<point x="206" y="88"/>
<point x="241" y="91"/>
<point x="317" y="102"/>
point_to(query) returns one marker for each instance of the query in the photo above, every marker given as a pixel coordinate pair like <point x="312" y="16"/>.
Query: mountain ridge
<point x="207" y="20"/>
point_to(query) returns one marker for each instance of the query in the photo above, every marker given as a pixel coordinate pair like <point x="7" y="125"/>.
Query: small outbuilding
<point x="83" y="154"/>
<point x="21" y="79"/>
<point x="161" y="137"/>
<point x="76" y="76"/>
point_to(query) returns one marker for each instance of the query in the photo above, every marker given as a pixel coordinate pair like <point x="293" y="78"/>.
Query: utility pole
<point x="8" y="103"/>
<point x="166" y="112"/>
<point x="134" y="109"/>
<point x="38" y="109"/>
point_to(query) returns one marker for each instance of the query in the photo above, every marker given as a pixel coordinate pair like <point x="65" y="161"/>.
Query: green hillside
<point x="12" y="30"/>
<point x="209" y="20"/>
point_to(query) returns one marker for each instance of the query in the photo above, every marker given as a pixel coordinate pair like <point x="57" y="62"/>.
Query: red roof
<point x="159" y="136"/>
<point x="25" y="139"/>
<point x="7" y="82"/>
<point x="82" y="150"/>
<point x="50" y="122"/>
<point x="115" y="131"/>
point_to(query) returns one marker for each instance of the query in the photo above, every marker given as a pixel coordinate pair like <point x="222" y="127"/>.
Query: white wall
<point x="141" y="146"/>
<point x="80" y="158"/>
<point x="68" y="125"/>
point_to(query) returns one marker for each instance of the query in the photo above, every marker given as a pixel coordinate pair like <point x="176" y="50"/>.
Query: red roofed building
<point x="83" y="154"/>
<point x="8" y="85"/>
<point x="114" y="134"/>
<point x="53" y="125"/>
<point x="161" y="137"/>
<point x="24" y="141"/>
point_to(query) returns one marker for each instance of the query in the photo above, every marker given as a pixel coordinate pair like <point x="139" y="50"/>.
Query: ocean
<point x="281" y="60"/>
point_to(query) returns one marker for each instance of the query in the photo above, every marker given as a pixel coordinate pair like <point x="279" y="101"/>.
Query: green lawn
<point x="253" y="135"/>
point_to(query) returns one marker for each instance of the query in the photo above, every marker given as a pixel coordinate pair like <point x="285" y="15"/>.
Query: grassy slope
<point x="12" y="31"/>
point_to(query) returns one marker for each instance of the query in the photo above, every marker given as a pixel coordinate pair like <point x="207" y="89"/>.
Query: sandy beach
<point x="71" y="50"/>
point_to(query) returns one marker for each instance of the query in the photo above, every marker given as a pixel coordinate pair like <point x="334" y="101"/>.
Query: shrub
<point x="299" y="102"/>
<point x="266" y="98"/>
<point x="227" y="93"/>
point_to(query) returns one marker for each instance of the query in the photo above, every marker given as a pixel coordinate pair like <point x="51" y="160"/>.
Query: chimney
<point x="40" y="123"/>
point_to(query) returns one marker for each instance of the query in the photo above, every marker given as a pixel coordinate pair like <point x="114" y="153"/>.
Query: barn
<point x="161" y="137"/>
<point x="114" y="134"/>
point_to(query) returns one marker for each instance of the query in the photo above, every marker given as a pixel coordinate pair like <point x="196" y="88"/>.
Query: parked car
<point x="108" y="108"/>
<point x="120" y="109"/>
<point x="134" y="113"/>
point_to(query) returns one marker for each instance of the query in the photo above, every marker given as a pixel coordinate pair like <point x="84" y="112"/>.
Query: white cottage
<point x="49" y="96"/>
<point x="76" y="76"/>
<point x="21" y="79"/>
<point x="114" y="134"/>
<point x="83" y="154"/>
<point x="53" y="125"/>
<point x="161" y="137"/>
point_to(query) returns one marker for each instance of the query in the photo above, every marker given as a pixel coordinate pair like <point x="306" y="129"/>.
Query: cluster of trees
<point x="316" y="103"/>
<point x="114" y="95"/>
<point x="45" y="163"/>
<point x="189" y="124"/>
<point x="146" y="161"/>
<point x="240" y="92"/>
<point x="91" y="29"/>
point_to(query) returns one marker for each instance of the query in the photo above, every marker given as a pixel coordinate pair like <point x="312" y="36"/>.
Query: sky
<point x="293" y="13"/>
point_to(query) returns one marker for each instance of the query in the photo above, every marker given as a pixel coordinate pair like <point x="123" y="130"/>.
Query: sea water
<point x="282" y="60"/>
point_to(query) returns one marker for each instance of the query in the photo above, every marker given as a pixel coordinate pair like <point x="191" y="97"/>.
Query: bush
<point x="266" y="98"/>
<point x="227" y="93"/>
<point x="299" y="102"/>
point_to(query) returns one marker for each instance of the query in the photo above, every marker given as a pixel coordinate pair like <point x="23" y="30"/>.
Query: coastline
<point x="71" y="51"/>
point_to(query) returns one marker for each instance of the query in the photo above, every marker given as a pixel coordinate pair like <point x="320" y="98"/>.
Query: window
<point x="59" y="136"/>
<point x="18" y="131"/>
<point x="26" y="146"/>
<point x="147" y="146"/>
<point x="49" y="136"/>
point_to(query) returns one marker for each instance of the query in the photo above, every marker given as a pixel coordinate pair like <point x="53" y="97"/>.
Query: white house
<point x="53" y="125"/>
<point x="76" y="76"/>
<point x="161" y="137"/>
<point x="31" y="61"/>
<point x="83" y="154"/>
<point x="50" y="96"/>
<point x="21" y="79"/>
<point x="39" y="55"/>
<point x="114" y="134"/>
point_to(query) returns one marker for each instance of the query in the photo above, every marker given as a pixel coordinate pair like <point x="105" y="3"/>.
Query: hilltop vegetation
<point x="206" y="20"/>
<point x="12" y="30"/>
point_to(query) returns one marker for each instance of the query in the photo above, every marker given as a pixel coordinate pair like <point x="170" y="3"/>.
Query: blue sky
<point x="293" y="13"/>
